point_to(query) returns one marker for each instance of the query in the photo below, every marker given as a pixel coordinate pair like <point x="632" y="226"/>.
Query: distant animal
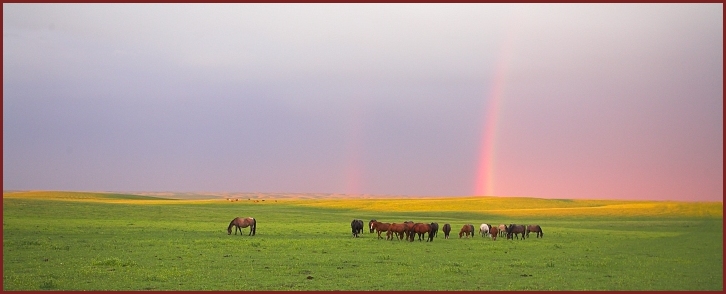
<point x="398" y="229"/>
<point x="421" y="229"/>
<point x="408" y="229"/>
<point x="357" y="227"/>
<point x="466" y="230"/>
<point x="535" y="228"/>
<point x="380" y="227"/>
<point x="435" y="229"/>
<point x="494" y="232"/>
<point x="370" y="225"/>
<point x="502" y="230"/>
<point x="447" y="230"/>
<point x="484" y="229"/>
<point x="240" y="223"/>
<point x="514" y="231"/>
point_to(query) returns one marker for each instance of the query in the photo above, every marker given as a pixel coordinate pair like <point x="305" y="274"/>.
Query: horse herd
<point x="409" y="230"/>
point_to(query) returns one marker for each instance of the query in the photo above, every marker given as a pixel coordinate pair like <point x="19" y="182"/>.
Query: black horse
<point x="357" y="227"/>
<point x="434" y="230"/>
<point x="447" y="230"/>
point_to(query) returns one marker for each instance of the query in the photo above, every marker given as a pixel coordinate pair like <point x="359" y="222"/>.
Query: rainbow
<point x="484" y="182"/>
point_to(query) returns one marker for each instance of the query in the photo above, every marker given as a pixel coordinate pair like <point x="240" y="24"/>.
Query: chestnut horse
<point x="380" y="227"/>
<point x="408" y="229"/>
<point x="494" y="232"/>
<point x="466" y="230"/>
<point x="421" y="229"/>
<point x="447" y="230"/>
<point x="240" y="223"/>
<point x="398" y="229"/>
<point x="535" y="228"/>
<point x="514" y="230"/>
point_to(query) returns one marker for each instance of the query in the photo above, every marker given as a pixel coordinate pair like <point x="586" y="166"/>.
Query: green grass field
<point x="92" y="241"/>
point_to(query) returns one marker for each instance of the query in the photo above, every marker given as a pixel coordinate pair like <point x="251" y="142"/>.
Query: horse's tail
<point x="254" y="226"/>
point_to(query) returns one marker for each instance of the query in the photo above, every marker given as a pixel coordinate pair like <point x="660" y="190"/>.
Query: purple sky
<point x="589" y="101"/>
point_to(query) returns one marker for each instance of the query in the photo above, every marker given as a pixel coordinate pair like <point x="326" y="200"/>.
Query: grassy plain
<point x="99" y="241"/>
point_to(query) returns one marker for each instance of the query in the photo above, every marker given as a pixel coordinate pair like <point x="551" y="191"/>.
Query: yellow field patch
<point x="506" y="206"/>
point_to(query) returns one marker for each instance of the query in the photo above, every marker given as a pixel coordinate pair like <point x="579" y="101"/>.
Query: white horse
<point x="484" y="229"/>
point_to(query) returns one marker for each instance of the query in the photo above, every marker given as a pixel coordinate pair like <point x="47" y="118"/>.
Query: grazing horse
<point x="466" y="230"/>
<point x="240" y="223"/>
<point x="357" y="227"/>
<point x="398" y="229"/>
<point x="493" y="232"/>
<point x="421" y="229"/>
<point x="447" y="230"/>
<point x="502" y="230"/>
<point x="514" y="230"/>
<point x="380" y="227"/>
<point x="435" y="228"/>
<point x="484" y="229"/>
<point x="370" y="225"/>
<point x="535" y="228"/>
<point x="408" y="229"/>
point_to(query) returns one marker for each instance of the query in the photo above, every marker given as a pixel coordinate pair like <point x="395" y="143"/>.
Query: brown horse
<point x="494" y="232"/>
<point x="408" y="229"/>
<point x="240" y="223"/>
<point x="466" y="230"/>
<point x="421" y="229"/>
<point x="380" y="227"/>
<point x="398" y="229"/>
<point x="447" y="230"/>
<point x="370" y="225"/>
<point x="535" y="228"/>
<point x="514" y="231"/>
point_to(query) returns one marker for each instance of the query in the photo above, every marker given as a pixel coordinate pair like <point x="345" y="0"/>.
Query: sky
<point x="567" y="101"/>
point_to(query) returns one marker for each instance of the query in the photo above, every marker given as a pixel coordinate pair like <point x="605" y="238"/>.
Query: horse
<point x="494" y="232"/>
<point x="408" y="229"/>
<point x="357" y="227"/>
<point x="447" y="230"/>
<point x="380" y="227"/>
<point x="398" y="229"/>
<point x="502" y="230"/>
<point x="514" y="230"/>
<point x="420" y="229"/>
<point x="240" y="223"/>
<point x="535" y="228"/>
<point x="370" y="225"/>
<point x="435" y="228"/>
<point x="466" y="230"/>
<point x="484" y="229"/>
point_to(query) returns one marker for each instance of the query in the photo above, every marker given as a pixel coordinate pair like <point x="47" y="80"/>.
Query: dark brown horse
<point x="514" y="231"/>
<point x="240" y="223"/>
<point x="380" y="227"/>
<point x="434" y="229"/>
<point x="535" y="228"/>
<point x="466" y="230"/>
<point x="357" y="227"/>
<point x="421" y="229"/>
<point x="447" y="230"/>
<point x="494" y="232"/>
<point x="370" y="225"/>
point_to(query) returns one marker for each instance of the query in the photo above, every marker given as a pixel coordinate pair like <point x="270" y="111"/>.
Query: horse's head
<point x="229" y="230"/>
